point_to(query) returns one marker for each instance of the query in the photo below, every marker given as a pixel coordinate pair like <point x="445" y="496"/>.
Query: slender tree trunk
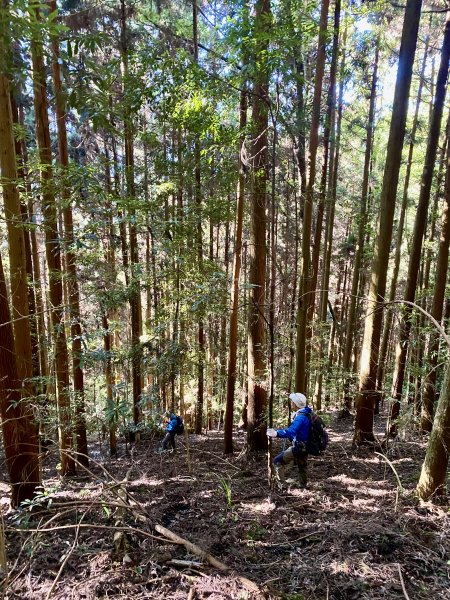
<point x="362" y="218"/>
<point x="433" y="476"/>
<point x="233" y="335"/>
<point x="400" y="227"/>
<point x="327" y="134"/>
<point x="331" y="204"/>
<point x="72" y="279"/>
<point x="257" y="384"/>
<point x="199" y="241"/>
<point x="305" y="279"/>
<point x="437" y="308"/>
<point x="53" y="254"/>
<point x="135" y="293"/>
<point x="419" y="229"/>
<point x="372" y="329"/>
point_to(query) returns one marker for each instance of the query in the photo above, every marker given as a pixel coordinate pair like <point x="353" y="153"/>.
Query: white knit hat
<point x="298" y="399"/>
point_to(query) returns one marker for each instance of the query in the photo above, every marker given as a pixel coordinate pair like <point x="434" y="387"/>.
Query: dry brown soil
<point x="355" y="533"/>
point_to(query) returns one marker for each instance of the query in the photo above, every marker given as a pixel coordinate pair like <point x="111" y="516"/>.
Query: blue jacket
<point x="172" y="424"/>
<point x="298" y="430"/>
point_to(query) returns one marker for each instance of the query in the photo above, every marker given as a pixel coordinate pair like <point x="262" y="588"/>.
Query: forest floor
<point x="357" y="532"/>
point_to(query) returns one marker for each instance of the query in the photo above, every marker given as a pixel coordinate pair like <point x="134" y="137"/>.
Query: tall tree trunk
<point x="437" y="308"/>
<point x="199" y="241"/>
<point x="331" y="204"/>
<point x="257" y="384"/>
<point x="53" y="253"/>
<point x="135" y="292"/>
<point x="433" y="476"/>
<point x="233" y="335"/>
<point x="362" y="219"/>
<point x="419" y="229"/>
<point x="400" y="227"/>
<point x="372" y="328"/>
<point x="305" y="278"/>
<point x="16" y="367"/>
<point x="327" y="134"/>
<point x="72" y="279"/>
<point x="19" y="430"/>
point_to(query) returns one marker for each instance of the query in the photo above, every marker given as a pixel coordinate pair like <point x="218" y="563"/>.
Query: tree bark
<point x="233" y="335"/>
<point x="419" y="230"/>
<point x="257" y="383"/>
<point x="434" y="469"/>
<point x="373" y="320"/>
<point x="72" y="279"/>
<point x="398" y="242"/>
<point x="16" y="368"/>
<point x="437" y="308"/>
<point x="362" y="218"/>
<point x="53" y="253"/>
<point x="305" y="278"/>
<point x="135" y="292"/>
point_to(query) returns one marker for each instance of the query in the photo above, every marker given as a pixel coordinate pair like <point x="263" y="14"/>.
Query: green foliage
<point x="225" y="484"/>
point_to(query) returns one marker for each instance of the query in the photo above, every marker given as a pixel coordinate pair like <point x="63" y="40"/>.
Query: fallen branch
<point x="205" y="556"/>
<point x="184" y="563"/>
<point x="402" y="582"/>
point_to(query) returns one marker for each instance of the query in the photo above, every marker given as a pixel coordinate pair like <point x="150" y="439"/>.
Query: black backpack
<point x="317" y="437"/>
<point x="179" y="429"/>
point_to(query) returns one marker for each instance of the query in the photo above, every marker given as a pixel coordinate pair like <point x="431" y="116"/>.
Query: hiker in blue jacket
<point x="297" y="433"/>
<point x="173" y="428"/>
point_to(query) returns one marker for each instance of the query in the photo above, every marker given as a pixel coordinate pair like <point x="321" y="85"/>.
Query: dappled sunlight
<point x="261" y="508"/>
<point x="145" y="480"/>
<point x="361" y="486"/>
<point x="338" y="439"/>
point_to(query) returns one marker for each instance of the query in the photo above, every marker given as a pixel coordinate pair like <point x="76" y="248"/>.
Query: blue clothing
<point x="173" y="423"/>
<point x="298" y="430"/>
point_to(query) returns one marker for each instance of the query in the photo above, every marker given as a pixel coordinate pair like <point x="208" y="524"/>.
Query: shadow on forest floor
<point x="353" y="534"/>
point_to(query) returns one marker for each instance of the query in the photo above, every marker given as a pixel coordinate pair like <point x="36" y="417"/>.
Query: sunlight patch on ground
<point x="375" y="460"/>
<point x="261" y="508"/>
<point x="147" y="481"/>
<point x="356" y="485"/>
<point x="335" y="438"/>
<point x="337" y="567"/>
<point x="401" y="460"/>
<point x="206" y="493"/>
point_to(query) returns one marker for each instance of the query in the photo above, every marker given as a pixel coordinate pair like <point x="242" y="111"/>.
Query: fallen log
<point x="205" y="556"/>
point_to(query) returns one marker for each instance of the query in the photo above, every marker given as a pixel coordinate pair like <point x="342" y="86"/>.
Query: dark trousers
<point x="287" y="457"/>
<point x="169" y="440"/>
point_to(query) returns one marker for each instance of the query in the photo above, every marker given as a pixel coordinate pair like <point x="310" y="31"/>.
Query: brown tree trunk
<point x="327" y="133"/>
<point x="400" y="227"/>
<point x="19" y="429"/>
<point x="305" y="278"/>
<point x="433" y="476"/>
<point x="16" y="369"/>
<point x="199" y="241"/>
<point x="135" y="292"/>
<point x="233" y="335"/>
<point x="372" y="328"/>
<point x="362" y="218"/>
<point x="331" y="204"/>
<point x="72" y="279"/>
<point x="53" y="254"/>
<point x="257" y="384"/>
<point x="419" y="230"/>
<point x="437" y="309"/>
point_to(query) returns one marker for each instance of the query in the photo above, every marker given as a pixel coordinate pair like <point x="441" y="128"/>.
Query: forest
<point x="207" y="205"/>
